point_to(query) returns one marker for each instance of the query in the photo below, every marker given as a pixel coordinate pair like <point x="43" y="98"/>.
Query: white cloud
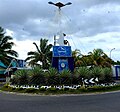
<point x="89" y="24"/>
<point x="23" y="47"/>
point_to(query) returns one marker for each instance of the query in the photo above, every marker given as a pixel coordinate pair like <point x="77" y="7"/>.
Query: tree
<point x="99" y="58"/>
<point x="85" y="60"/>
<point x="42" y="54"/>
<point x="6" y="52"/>
<point x="117" y="62"/>
<point x="76" y="54"/>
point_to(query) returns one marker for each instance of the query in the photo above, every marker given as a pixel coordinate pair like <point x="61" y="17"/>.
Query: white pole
<point x="61" y="37"/>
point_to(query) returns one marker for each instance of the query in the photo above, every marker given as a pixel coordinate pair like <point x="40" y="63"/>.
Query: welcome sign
<point x="62" y="51"/>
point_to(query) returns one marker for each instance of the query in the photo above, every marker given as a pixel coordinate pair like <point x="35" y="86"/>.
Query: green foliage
<point x="83" y="72"/>
<point x="52" y="77"/>
<point x="19" y="90"/>
<point x="42" y="54"/>
<point x="52" y="72"/>
<point x="52" y="90"/>
<point x="103" y="74"/>
<point x="95" y="58"/>
<point x="6" y="44"/>
<point x="65" y="77"/>
<point x="90" y="89"/>
<point x="37" y="76"/>
<point x="42" y="89"/>
<point x="116" y="63"/>
<point x="107" y="74"/>
<point x="96" y="71"/>
<point x="21" y="77"/>
<point x="31" y="90"/>
<point x="76" y="78"/>
<point x="65" y="73"/>
<point x="6" y="87"/>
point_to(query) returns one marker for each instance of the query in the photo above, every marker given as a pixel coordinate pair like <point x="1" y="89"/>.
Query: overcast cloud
<point x="89" y="24"/>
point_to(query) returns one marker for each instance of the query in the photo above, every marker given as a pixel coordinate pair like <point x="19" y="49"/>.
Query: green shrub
<point x="6" y="85"/>
<point x="66" y="89"/>
<point x="52" y="89"/>
<point x="96" y="71"/>
<point x="36" y="76"/>
<point x="42" y="89"/>
<point x="52" y="77"/>
<point x="76" y="78"/>
<point x="82" y="89"/>
<point x="19" y="89"/>
<point x="31" y="90"/>
<point x="65" y="77"/>
<point x="107" y="75"/>
<point x="21" y="77"/>
<point x="83" y="72"/>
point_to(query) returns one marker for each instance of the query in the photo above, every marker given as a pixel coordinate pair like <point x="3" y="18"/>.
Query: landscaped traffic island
<point x="51" y="90"/>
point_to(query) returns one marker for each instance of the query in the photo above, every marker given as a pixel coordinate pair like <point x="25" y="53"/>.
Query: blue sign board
<point x="63" y="64"/>
<point x="21" y="63"/>
<point x="62" y="51"/>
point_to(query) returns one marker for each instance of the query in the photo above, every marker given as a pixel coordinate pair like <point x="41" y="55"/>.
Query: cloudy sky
<point x="88" y="24"/>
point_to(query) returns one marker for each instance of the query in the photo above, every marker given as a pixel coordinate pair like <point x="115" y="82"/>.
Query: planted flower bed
<point x="37" y="76"/>
<point x="74" y="89"/>
<point x="82" y="79"/>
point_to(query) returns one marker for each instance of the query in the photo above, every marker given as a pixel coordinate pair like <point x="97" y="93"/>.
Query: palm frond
<point x="36" y="47"/>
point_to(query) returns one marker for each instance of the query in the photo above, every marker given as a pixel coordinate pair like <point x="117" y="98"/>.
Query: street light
<point x="61" y="36"/>
<point x="59" y="4"/>
<point x="111" y="52"/>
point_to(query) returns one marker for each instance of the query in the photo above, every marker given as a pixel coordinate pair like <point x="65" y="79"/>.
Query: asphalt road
<point x="109" y="102"/>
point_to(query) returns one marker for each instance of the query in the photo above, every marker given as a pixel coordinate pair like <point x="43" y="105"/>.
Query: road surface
<point x="108" y="102"/>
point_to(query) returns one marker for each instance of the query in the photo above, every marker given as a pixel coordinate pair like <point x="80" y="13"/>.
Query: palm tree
<point x="76" y="54"/>
<point x="6" y="52"/>
<point x="42" y="54"/>
<point x="85" y="60"/>
<point x="99" y="58"/>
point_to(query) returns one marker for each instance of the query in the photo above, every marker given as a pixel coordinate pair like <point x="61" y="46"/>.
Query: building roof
<point x="2" y="65"/>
